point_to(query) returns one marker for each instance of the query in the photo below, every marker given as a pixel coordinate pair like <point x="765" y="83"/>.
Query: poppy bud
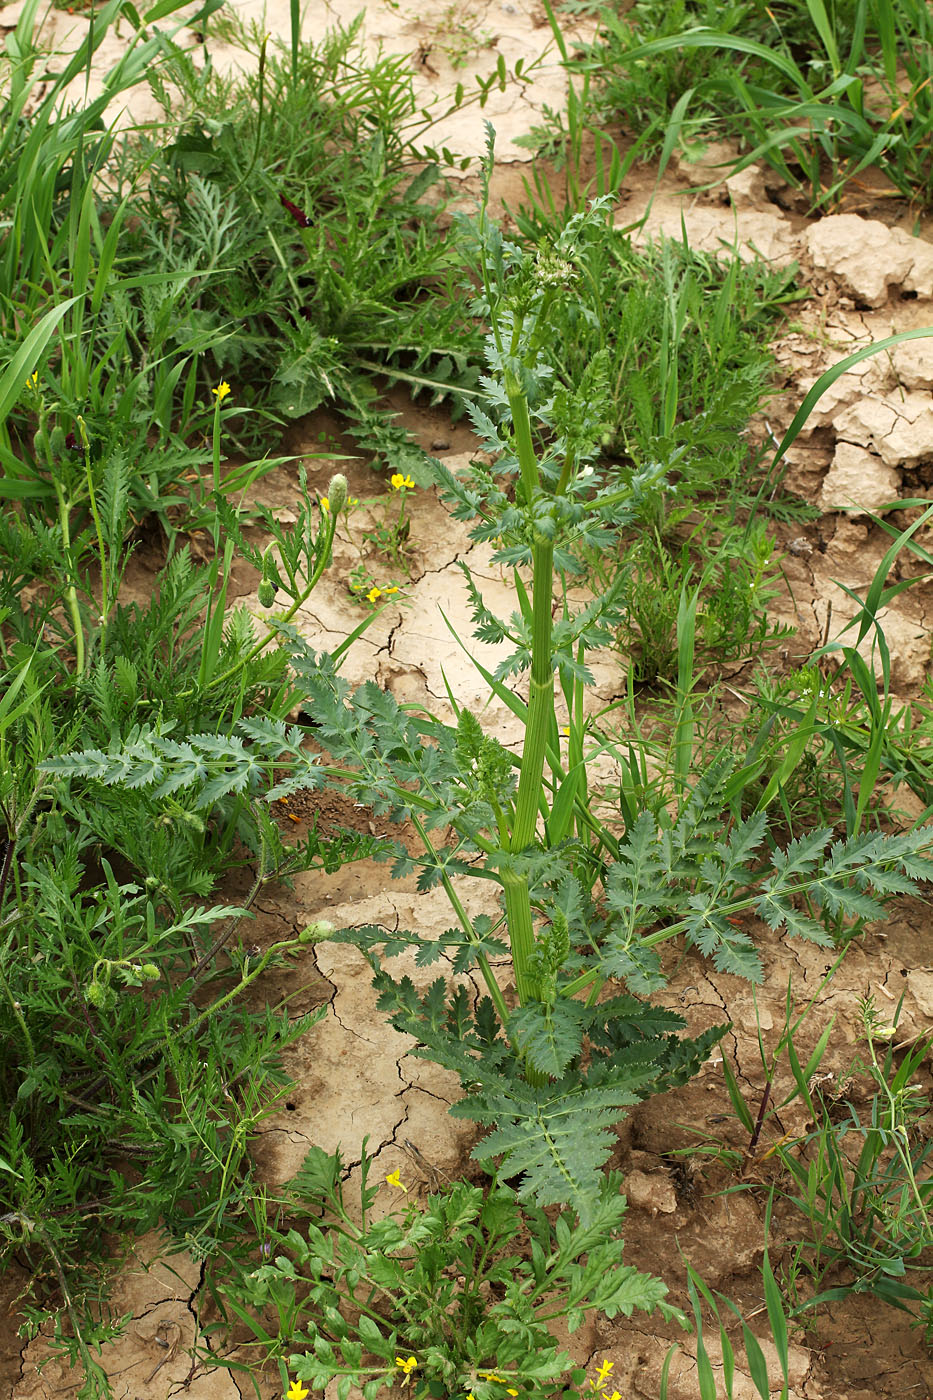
<point x="267" y="584"/>
<point x="337" y="493"/>
<point x="317" y="932"/>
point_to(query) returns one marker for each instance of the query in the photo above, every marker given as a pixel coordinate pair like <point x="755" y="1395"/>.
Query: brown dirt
<point x="353" y="1076"/>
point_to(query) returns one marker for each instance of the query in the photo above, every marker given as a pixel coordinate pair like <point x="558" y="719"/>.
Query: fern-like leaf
<point x="550" y="1037"/>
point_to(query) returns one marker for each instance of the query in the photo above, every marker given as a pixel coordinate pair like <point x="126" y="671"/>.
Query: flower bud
<point x="267" y="585"/>
<point x="57" y="441"/>
<point x="150" y="972"/>
<point x="337" y="493"/>
<point x="318" y="932"/>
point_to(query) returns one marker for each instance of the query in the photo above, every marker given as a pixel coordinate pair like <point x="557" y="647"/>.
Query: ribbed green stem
<point x="521" y="934"/>
<point x="540" y="699"/>
<point x="521" y="426"/>
<point x="540" y="709"/>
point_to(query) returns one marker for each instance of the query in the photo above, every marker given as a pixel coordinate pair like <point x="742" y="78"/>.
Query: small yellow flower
<point x="373" y="594"/>
<point x="33" y="381"/>
<point x="325" y="505"/>
<point x="353" y="501"/>
<point x="406" y="1367"/>
<point x="490" y="1376"/>
<point x="393" y="1179"/>
<point x="296" y="1391"/>
<point x="398" y="481"/>
<point x="602" y="1375"/>
<point x="222" y="390"/>
<point x="510" y="1391"/>
<point x="393" y="589"/>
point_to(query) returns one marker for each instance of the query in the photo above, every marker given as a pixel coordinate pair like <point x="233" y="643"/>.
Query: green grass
<point x="819" y="89"/>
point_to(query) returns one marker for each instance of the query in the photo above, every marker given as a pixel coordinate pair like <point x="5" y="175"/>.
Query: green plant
<point x="121" y="975"/>
<point x="314" y="180"/>
<point x="727" y="606"/>
<point x="683" y="336"/>
<point x="390" y="535"/>
<point x="826" y="91"/>
<point x="699" y="1293"/>
<point x="110" y="344"/>
<point x="860" y="1180"/>
<point x="450" y="1295"/>
<point x="553" y="1072"/>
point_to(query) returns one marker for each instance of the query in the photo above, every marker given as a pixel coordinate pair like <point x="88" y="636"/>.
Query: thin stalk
<point x="71" y="593"/>
<point x="15" y="1007"/>
<point x="215" y="465"/>
<point x="295" y="26"/>
<point x="540" y="700"/>
<point x="323" y="559"/>
<point x="104" y="572"/>
<point x="495" y="990"/>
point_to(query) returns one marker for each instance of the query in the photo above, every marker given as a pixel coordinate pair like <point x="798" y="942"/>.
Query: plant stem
<point x="71" y="593"/>
<point x="540" y="710"/>
<point x="495" y="990"/>
<point x="323" y="559"/>
<point x="104" y="572"/>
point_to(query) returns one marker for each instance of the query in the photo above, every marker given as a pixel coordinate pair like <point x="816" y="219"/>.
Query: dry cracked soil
<point x="869" y="443"/>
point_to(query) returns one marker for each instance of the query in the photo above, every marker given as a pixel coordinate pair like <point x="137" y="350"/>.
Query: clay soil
<point x="870" y="442"/>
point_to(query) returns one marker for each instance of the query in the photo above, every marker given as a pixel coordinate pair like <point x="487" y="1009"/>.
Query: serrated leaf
<point x="550" y="1037"/>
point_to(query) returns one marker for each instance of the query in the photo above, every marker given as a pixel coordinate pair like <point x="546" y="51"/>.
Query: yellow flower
<point x="398" y="481"/>
<point x="353" y="501"/>
<point x="222" y="390"/>
<point x="406" y="1367"/>
<point x="393" y="589"/>
<point x="33" y="381"/>
<point x="491" y="1376"/>
<point x="393" y="1179"/>
<point x="296" y="1391"/>
<point x="325" y="505"/>
<point x="373" y="594"/>
<point x="602" y="1375"/>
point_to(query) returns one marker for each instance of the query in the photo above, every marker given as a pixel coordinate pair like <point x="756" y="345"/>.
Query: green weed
<point x="452" y="1295"/>
<point x="859" y="1177"/>
<point x="821" y="92"/>
<point x="335" y="267"/>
